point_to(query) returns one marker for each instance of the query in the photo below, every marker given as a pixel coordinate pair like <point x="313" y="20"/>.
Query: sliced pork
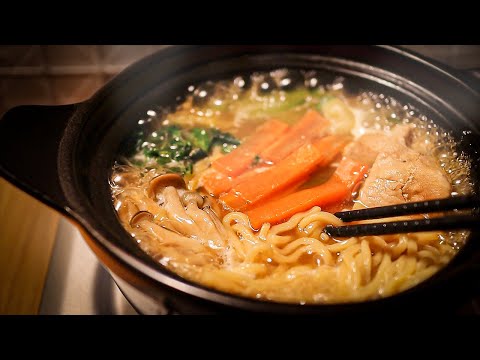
<point x="399" y="174"/>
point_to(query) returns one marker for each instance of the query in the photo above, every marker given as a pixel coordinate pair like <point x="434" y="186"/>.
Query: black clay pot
<point x="62" y="155"/>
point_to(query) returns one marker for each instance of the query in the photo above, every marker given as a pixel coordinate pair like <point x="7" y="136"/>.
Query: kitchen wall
<point x="62" y="74"/>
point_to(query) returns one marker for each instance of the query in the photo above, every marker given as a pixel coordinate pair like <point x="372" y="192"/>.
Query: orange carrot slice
<point x="311" y="125"/>
<point x="292" y="170"/>
<point x="334" y="191"/>
<point x="241" y="158"/>
<point x="216" y="182"/>
<point x="226" y="170"/>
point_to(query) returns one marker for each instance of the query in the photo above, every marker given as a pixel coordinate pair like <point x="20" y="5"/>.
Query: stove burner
<point x="76" y="281"/>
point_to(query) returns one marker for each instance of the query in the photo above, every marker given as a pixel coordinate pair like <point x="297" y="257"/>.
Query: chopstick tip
<point x="328" y="230"/>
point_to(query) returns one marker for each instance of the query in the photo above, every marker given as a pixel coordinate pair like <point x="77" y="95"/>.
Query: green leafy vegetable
<point x="201" y="138"/>
<point x="228" y="148"/>
<point x="151" y="152"/>
<point x="293" y="99"/>
<point x="256" y="160"/>
<point x="222" y="137"/>
<point x="178" y="149"/>
<point x="323" y="100"/>
<point x="339" y="114"/>
<point x="276" y="103"/>
<point x="206" y="139"/>
<point x="198" y="154"/>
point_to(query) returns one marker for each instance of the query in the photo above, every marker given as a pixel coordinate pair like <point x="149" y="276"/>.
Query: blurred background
<point x="54" y="75"/>
<point x="62" y="74"/>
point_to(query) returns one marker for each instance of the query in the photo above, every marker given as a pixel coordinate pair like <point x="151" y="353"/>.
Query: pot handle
<point x="29" y="140"/>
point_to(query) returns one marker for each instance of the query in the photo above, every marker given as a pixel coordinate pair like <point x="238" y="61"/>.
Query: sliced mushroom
<point x="127" y="208"/>
<point x="123" y="178"/>
<point x="162" y="181"/>
<point x="192" y="196"/>
<point x="139" y="216"/>
<point x="207" y="201"/>
<point x="211" y="203"/>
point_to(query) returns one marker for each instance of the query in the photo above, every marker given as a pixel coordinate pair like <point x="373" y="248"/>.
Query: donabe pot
<point x="63" y="155"/>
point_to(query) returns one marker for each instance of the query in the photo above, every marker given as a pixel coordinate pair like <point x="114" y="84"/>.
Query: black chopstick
<point x="451" y="222"/>
<point x="421" y="207"/>
<point x="454" y="222"/>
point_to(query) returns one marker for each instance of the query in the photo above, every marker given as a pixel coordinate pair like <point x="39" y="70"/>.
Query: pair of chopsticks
<point x="448" y="222"/>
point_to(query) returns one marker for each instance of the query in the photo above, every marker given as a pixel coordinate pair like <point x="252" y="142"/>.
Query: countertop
<point x="27" y="233"/>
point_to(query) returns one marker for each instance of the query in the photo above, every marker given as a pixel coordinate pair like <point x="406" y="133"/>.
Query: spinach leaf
<point x="151" y="152"/>
<point x="228" y="148"/>
<point x="227" y="141"/>
<point x="178" y="149"/>
<point x="223" y="137"/>
<point x="197" y="154"/>
<point x="200" y="138"/>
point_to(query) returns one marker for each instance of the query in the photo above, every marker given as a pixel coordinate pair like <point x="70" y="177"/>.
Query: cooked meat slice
<point x="404" y="176"/>
<point x="360" y="151"/>
<point x="368" y="146"/>
<point x="399" y="174"/>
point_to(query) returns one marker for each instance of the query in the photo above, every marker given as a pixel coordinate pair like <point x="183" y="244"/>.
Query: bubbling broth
<point x="232" y="189"/>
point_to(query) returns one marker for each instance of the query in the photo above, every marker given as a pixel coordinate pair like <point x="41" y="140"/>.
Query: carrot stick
<point x="334" y="191"/>
<point x="242" y="157"/>
<point x="310" y="126"/>
<point x="238" y="203"/>
<point x="216" y="182"/>
<point x="292" y="170"/>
